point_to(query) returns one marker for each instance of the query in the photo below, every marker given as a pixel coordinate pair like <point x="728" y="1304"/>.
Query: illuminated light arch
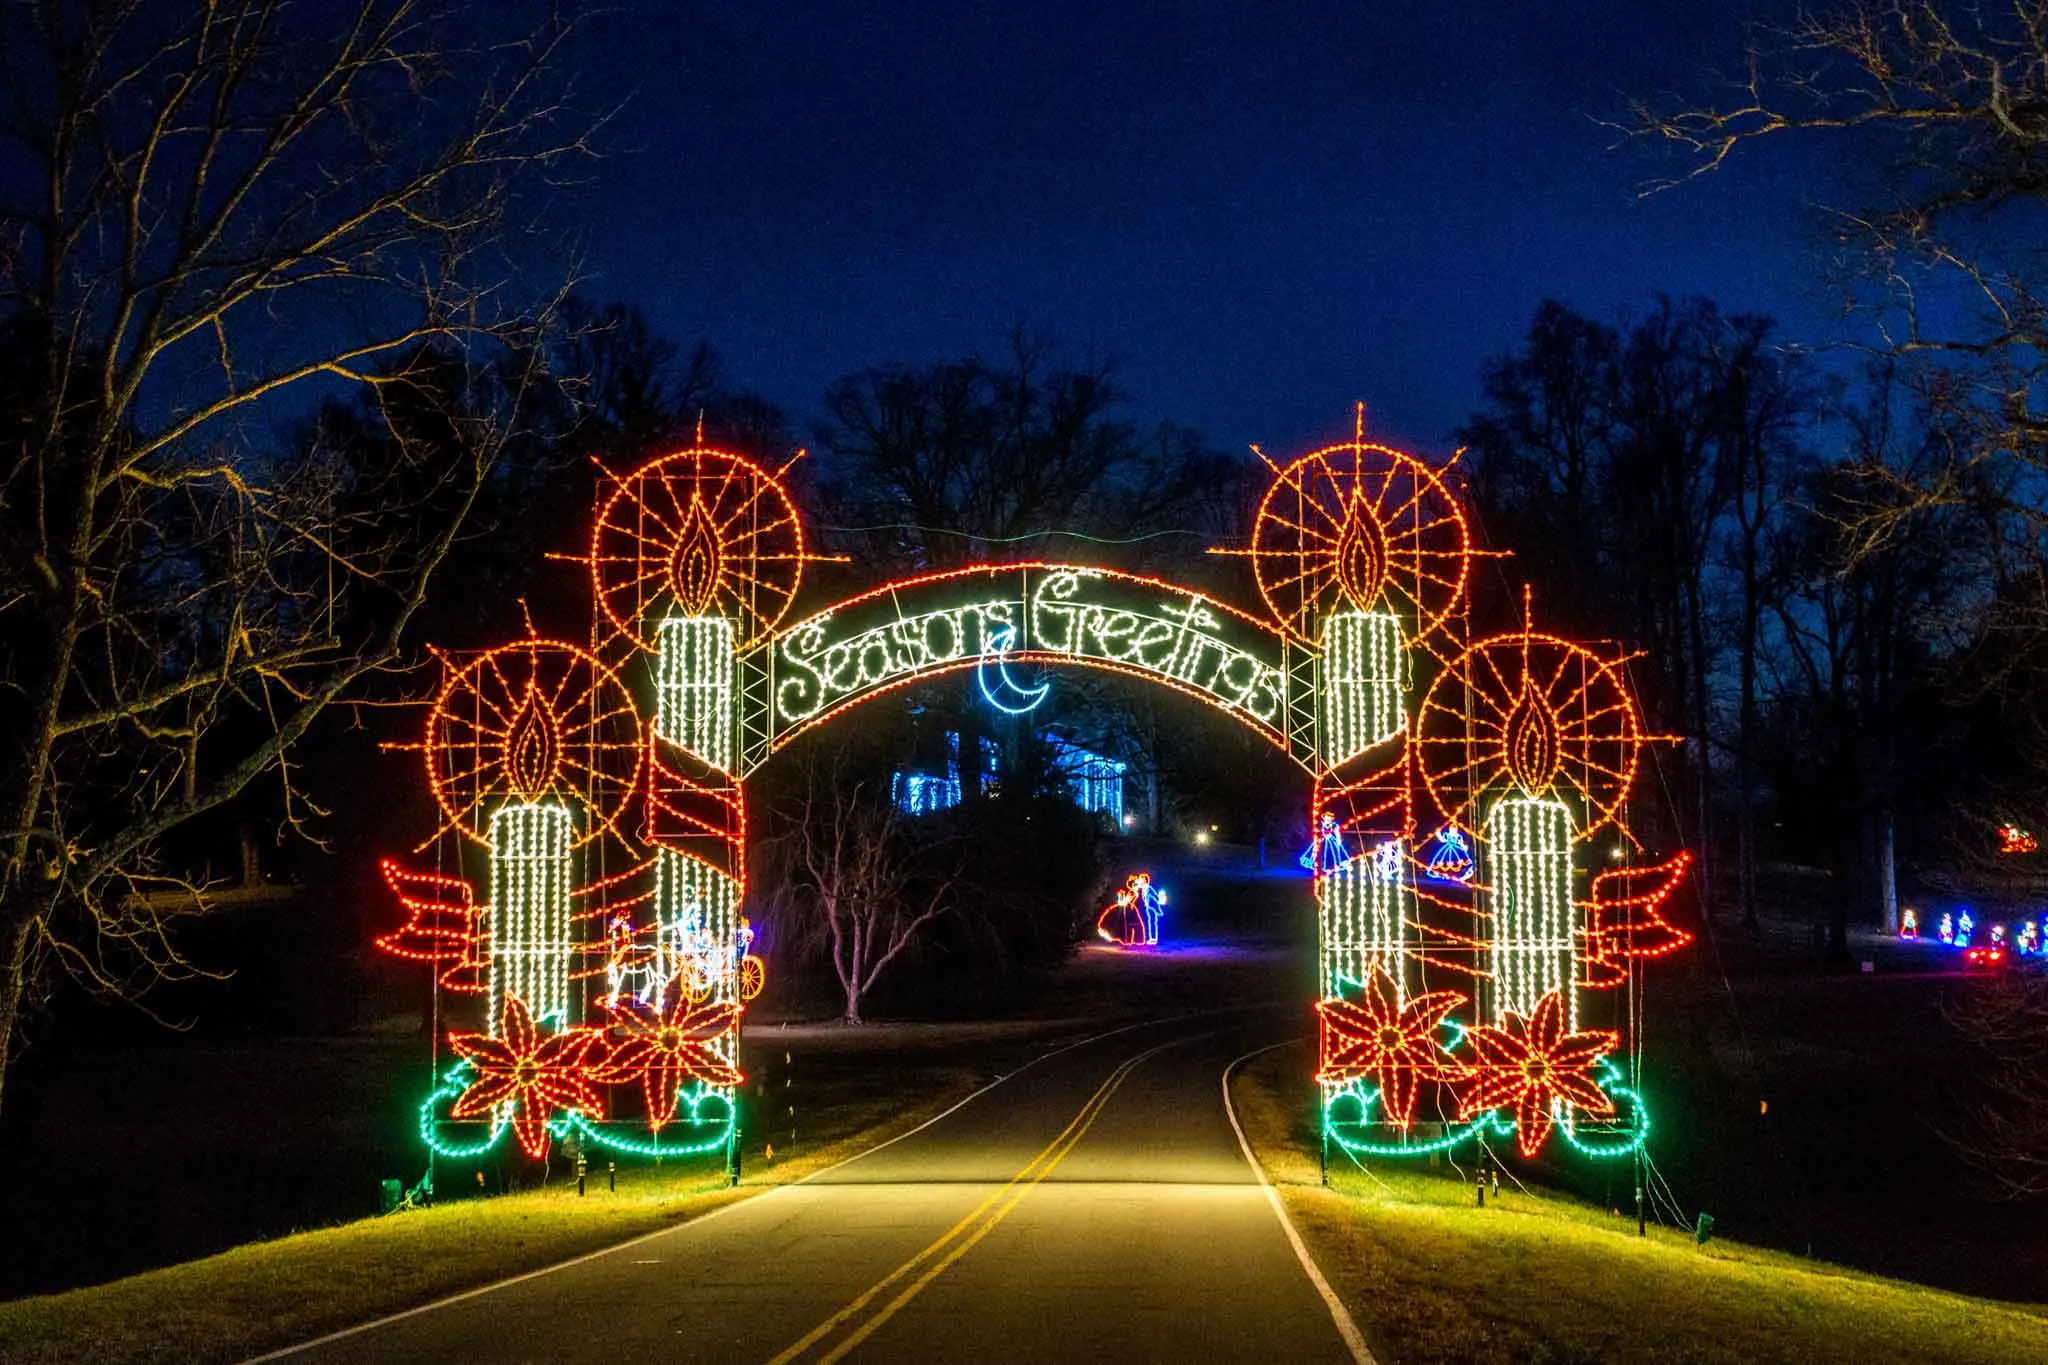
<point x="617" y="971"/>
<point x="1039" y="612"/>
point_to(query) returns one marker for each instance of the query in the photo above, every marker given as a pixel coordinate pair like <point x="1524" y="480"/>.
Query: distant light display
<point x="1958" y="930"/>
<point x="588" y="881"/>
<point x="921" y="793"/>
<point x="1133" y="919"/>
<point x="1095" y="782"/>
<point x="1326" y="852"/>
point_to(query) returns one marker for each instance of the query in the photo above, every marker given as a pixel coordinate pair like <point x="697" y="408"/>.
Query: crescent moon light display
<point x="1002" y="690"/>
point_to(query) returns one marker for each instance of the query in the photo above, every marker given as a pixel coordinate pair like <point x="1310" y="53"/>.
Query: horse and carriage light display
<point x="590" y="869"/>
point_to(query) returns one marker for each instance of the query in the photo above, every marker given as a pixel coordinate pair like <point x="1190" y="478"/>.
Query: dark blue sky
<point x="1262" y="212"/>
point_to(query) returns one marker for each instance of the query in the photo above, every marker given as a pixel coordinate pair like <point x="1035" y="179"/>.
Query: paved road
<point x="1095" y="1205"/>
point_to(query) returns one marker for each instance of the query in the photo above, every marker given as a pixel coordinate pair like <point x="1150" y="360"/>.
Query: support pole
<point x="1642" y="1221"/>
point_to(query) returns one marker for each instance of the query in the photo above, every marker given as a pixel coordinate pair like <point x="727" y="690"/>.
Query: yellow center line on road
<point x="970" y="1229"/>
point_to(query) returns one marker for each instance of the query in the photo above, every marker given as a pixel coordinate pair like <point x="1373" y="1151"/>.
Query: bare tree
<point x="1765" y="404"/>
<point x="1026" y="455"/>
<point x="639" y="393"/>
<point x="943" y="464"/>
<point x="1867" y="636"/>
<point x="2004" y="1135"/>
<point x="1926" y="121"/>
<point x="1626" y="464"/>
<point x="217" y="216"/>
<point x="1948" y="103"/>
<point x="858" y="877"/>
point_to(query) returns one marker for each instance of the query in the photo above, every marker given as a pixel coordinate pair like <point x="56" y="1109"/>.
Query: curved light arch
<point x="1062" y="615"/>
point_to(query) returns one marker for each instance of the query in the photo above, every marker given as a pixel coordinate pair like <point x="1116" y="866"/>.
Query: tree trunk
<point x="1151" y="768"/>
<point x="1745" y="846"/>
<point x="13" y="993"/>
<point x="1887" y="875"/>
<point x="1848" y="891"/>
<point x="973" y="726"/>
<point x="1745" y="746"/>
<point x="854" y="968"/>
<point x="1701" y="723"/>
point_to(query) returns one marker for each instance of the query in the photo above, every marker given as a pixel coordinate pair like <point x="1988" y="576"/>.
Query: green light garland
<point x="573" y="1121"/>
<point x="1631" y="1136"/>
<point x="1490" y="1119"/>
<point x="455" y="1084"/>
<point x="1637" y="1130"/>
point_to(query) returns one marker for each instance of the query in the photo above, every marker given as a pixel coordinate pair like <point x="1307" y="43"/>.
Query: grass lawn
<point x="1535" y="1277"/>
<point x="271" y="1294"/>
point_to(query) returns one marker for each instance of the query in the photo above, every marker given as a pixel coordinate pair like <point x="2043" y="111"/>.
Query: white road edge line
<point x="452" y="1299"/>
<point x="1339" y="1314"/>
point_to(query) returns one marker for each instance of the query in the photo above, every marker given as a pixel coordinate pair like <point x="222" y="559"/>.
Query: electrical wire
<point x="1662" y="1200"/>
<point x="1509" y="1171"/>
<point x="1749" y="1053"/>
<point x="1354" y="1159"/>
<point x="1660" y="1189"/>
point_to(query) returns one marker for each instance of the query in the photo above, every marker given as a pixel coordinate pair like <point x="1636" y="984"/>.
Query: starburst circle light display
<point x="697" y="533"/>
<point x="1533" y="714"/>
<point x="1351" y="524"/>
<point x="532" y="721"/>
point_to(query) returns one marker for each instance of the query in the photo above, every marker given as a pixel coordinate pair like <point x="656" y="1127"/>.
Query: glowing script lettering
<point x="1025" y="613"/>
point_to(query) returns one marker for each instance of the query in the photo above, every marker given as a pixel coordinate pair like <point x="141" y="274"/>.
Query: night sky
<point x="1261" y="213"/>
